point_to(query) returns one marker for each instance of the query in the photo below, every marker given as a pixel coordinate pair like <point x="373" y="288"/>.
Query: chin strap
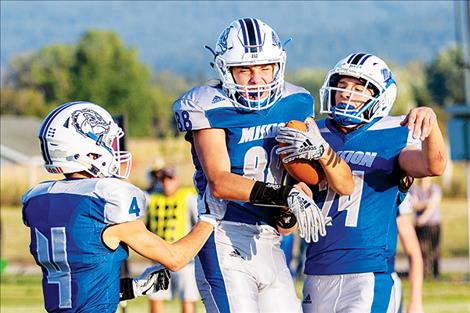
<point x="243" y="101"/>
<point x="338" y="113"/>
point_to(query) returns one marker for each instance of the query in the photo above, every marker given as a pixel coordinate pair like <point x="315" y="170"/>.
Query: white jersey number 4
<point x="58" y="269"/>
<point x="350" y="203"/>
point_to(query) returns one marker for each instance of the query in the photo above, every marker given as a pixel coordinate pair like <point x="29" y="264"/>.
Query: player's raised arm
<point x="431" y="159"/>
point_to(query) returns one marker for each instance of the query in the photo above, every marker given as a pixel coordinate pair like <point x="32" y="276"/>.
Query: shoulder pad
<point x="388" y="122"/>
<point x="124" y="201"/>
<point x="290" y="89"/>
<point x="191" y="108"/>
<point x="39" y="189"/>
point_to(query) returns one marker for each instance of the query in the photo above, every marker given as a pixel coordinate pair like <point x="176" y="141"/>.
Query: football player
<point x="347" y="270"/>
<point x="231" y="126"/>
<point x="81" y="226"/>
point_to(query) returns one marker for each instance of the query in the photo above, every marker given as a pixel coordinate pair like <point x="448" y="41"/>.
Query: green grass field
<point x="22" y="294"/>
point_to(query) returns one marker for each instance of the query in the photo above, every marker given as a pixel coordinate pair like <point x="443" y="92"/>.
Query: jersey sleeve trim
<point x="102" y="240"/>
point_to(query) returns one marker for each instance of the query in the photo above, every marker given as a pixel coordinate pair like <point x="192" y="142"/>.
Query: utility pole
<point x="467" y="102"/>
<point x="458" y="127"/>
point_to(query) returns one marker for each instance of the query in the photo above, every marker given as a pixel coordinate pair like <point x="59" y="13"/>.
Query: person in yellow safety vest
<point x="171" y="214"/>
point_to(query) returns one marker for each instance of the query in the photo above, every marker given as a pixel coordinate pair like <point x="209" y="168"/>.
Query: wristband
<point x="269" y="194"/>
<point x="405" y="183"/>
<point x="126" y="289"/>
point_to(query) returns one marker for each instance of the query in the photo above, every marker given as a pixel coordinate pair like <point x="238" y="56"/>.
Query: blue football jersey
<point x="249" y="136"/>
<point x="403" y="203"/>
<point x="358" y="238"/>
<point x="66" y="219"/>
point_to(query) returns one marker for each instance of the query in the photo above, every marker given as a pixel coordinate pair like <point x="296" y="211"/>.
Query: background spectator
<point x="172" y="212"/>
<point x="426" y="203"/>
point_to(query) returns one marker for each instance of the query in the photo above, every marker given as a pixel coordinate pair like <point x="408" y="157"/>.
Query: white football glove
<point x="153" y="279"/>
<point x="310" y="220"/>
<point x="308" y="145"/>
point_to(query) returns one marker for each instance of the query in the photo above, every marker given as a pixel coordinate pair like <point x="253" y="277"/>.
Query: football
<point x="302" y="170"/>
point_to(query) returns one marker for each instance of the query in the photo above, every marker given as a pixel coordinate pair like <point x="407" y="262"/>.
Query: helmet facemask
<point x="121" y="161"/>
<point x="256" y="97"/>
<point x="348" y="113"/>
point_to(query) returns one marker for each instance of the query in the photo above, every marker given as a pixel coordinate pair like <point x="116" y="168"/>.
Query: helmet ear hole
<point x="93" y="156"/>
<point x="334" y="79"/>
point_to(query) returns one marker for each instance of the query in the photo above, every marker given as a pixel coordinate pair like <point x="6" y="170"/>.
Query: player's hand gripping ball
<point x="302" y="170"/>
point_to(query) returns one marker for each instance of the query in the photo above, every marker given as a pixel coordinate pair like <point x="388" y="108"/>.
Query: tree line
<point x="101" y="69"/>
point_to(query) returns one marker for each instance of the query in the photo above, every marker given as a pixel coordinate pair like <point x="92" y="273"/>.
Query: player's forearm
<point x="184" y="250"/>
<point x="229" y="186"/>
<point x="434" y="152"/>
<point x="416" y="286"/>
<point x="431" y="160"/>
<point x="286" y="231"/>
<point x="172" y="256"/>
<point x="411" y="246"/>
<point x="337" y="172"/>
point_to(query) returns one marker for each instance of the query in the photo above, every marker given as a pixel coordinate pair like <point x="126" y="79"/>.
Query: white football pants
<point x="242" y="269"/>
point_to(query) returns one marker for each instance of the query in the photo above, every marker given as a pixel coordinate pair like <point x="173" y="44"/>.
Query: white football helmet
<point x="375" y="74"/>
<point x="249" y="41"/>
<point x="82" y="136"/>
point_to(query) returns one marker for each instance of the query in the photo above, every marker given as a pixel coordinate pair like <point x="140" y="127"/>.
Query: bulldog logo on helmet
<point x="222" y="42"/>
<point x="88" y="121"/>
<point x="276" y="40"/>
